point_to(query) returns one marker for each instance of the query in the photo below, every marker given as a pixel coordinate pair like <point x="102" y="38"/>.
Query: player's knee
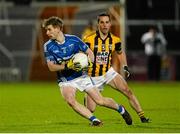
<point x="71" y="102"/>
<point x="100" y="101"/>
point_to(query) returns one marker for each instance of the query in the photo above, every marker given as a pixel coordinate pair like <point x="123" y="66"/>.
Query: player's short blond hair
<point x="54" y="21"/>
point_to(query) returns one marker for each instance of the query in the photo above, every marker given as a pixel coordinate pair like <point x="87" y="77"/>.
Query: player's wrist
<point x="65" y="66"/>
<point x="126" y="67"/>
<point x="126" y="70"/>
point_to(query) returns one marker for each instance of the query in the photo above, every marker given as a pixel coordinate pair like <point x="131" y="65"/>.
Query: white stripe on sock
<point x="123" y="110"/>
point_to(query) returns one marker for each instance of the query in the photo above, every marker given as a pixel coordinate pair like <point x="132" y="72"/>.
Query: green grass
<point x="39" y="107"/>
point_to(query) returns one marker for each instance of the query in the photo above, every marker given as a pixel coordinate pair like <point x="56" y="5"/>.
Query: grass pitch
<point x="39" y="107"/>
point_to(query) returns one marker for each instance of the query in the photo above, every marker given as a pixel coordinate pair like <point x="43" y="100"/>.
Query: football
<point x="81" y="58"/>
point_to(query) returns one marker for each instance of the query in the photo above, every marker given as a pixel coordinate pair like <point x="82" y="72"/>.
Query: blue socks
<point x="92" y="118"/>
<point x="121" y="109"/>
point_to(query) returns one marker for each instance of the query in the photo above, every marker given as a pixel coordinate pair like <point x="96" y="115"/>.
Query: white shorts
<point x="99" y="81"/>
<point x="83" y="83"/>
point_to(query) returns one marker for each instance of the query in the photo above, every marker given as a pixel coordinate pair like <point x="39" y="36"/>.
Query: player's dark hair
<point x="154" y="27"/>
<point x="103" y="14"/>
<point x="54" y="21"/>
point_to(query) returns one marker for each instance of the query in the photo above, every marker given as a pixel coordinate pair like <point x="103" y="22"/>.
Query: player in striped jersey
<point x="59" y="50"/>
<point x="105" y="45"/>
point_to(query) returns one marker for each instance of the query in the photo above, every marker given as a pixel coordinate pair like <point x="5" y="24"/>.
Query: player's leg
<point x="89" y="103"/>
<point x="69" y="95"/>
<point x="121" y="85"/>
<point x="110" y="103"/>
<point x="117" y="82"/>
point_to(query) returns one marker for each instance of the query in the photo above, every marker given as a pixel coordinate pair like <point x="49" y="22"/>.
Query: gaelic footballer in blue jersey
<point x="59" y="51"/>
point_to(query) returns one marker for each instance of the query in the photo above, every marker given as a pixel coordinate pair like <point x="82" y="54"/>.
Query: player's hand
<point x="77" y="67"/>
<point x="69" y="64"/>
<point x="126" y="72"/>
<point x="90" y="65"/>
<point x="74" y="66"/>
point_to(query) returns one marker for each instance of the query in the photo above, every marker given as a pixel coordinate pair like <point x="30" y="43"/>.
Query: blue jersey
<point x="58" y="53"/>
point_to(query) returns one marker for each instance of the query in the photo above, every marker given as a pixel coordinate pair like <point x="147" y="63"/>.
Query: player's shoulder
<point x="88" y="35"/>
<point x="71" y="37"/>
<point x="91" y="35"/>
<point x="116" y="38"/>
<point x="48" y="43"/>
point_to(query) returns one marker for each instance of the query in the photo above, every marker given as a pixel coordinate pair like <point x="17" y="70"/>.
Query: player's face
<point x="104" y="24"/>
<point x="52" y="32"/>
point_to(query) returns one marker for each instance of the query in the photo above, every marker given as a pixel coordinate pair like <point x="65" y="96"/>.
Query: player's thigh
<point x="99" y="82"/>
<point x="95" y="95"/>
<point x="118" y="83"/>
<point x="121" y="85"/>
<point x="68" y="92"/>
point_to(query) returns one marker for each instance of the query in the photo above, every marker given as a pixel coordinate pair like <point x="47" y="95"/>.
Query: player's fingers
<point x="77" y="65"/>
<point x="90" y="64"/>
<point x="127" y="74"/>
<point x="85" y="69"/>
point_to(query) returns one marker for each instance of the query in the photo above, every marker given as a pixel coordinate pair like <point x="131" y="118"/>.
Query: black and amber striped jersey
<point x="102" y="51"/>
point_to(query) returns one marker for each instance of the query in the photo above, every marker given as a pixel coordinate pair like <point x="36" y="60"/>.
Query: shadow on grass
<point x="170" y="127"/>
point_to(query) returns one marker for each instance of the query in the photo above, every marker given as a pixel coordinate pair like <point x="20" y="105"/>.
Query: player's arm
<point x="121" y="56"/>
<point x="124" y="63"/>
<point x="55" y="67"/>
<point x="84" y="45"/>
<point x="51" y="62"/>
<point x="120" y="53"/>
<point x="90" y="54"/>
<point x="64" y="66"/>
<point x="90" y="58"/>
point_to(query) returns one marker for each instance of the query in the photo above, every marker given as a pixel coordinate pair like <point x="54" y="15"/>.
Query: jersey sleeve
<point x="118" y="45"/>
<point x="47" y="55"/>
<point x="82" y="46"/>
<point x="87" y="41"/>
